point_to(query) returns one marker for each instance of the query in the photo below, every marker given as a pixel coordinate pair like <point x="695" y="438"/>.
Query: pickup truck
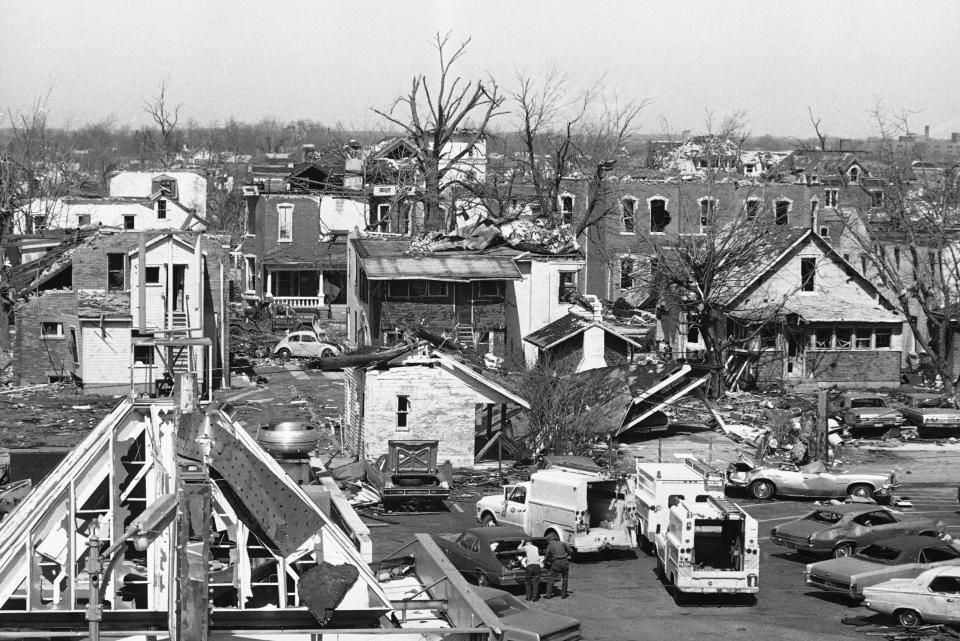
<point x="864" y="411"/>
<point x="930" y="412"/>
<point x="588" y="511"/>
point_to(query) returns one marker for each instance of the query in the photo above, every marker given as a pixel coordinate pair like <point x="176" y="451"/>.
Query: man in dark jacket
<point x="557" y="559"/>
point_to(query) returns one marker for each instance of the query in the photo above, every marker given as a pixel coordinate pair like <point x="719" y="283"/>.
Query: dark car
<point x="901" y="557"/>
<point x="523" y="623"/>
<point x="489" y="555"/>
<point x="409" y="472"/>
<point x="840" y="529"/>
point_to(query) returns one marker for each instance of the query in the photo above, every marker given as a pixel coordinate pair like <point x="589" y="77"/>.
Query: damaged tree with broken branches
<point x="436" y="114"/>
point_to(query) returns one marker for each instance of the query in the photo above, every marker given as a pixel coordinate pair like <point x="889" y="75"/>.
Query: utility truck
<point x="590" y="511"/>
<point x="660" y="486"/>
<point x="710" y="546"/>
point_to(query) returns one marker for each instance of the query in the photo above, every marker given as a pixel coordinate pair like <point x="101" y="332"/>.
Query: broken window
<point x="383" y="217"/>
<point x="403" y="411"/>
<point x="823" y="338"/>
<point x="626" y="273"/>
<point x="51" y="330"/>
<point x="115" y="267"/>
<point x="628" y="208"/>
<point x="487" y="289"/>
<point x="143" y="354"/>
<point x="830" y="197"/>
<point x="808" y="267"/>
<point x="844" y="337"/>
<point x="782" y="211"/>
<point x="659" y="216"/>
<point x="83" y="219"/>
<point x="768" y="337"/>
<point x="753" y="208"/>
<point x="161" y="209"/>
<point x="863" y="337"/>
<point x="284" y="223"/>
<point x="566" y="207"/>
<point x="568" y="285"/>
<point x="708" y="207"/>
<point x="251" y="273"/>
<point x="876" y="199"/>
<point x="129" y="222"/>
<point x="74" y="346"/>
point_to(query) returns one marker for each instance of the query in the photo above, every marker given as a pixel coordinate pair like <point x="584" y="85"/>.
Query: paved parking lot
<point x="620" y="596"/>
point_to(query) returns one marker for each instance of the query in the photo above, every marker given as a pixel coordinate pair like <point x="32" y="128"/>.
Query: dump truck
<point x="409" y="472"/>
<point x="588" y="511"/>
<point x="660" y="486"/>
<point x="710" y="546"/>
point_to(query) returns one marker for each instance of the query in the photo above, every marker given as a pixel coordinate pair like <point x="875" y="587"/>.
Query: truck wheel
<point x="860" y="491"/>
<point x="488" y="521"/>
<point x="908" y="618"/>
<point x="762" y="490"/>
<point x="843" y="549"/>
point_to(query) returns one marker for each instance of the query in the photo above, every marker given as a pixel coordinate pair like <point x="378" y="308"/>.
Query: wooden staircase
<point x="465" y="336"/>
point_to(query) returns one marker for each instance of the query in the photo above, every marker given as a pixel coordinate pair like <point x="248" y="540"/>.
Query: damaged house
<point x="106" y="311"/>
<point x="423" y="395"/>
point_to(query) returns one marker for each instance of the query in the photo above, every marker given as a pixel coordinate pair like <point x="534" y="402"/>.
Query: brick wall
<point x="442" y="407"/>
<point x="90" y="260"/>
<point x="854" y="366"/>
<point x="36" y="358"/>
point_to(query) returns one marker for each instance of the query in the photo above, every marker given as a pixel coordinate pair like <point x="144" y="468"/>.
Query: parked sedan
<point x="304" y="344"/>
<point x="522" y="623"/>
<point x="932" y="597"/>
<point x="840" y="529"/>
<point x="862" y="411"/>
<point x="931" y="412"/>
<point x="489" y="554"/>
<point x="766" y="480"/>
<point x="902" y="557"/>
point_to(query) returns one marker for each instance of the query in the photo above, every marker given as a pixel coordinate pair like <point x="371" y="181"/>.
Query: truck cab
<point x="589" y="512"/>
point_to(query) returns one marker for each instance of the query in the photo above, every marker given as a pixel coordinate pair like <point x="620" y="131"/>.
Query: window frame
<point x="757" y="204"/>
<point x="831" y="197"/>
<point x="83" y="219"/>
<point x="808" y="279"/>
<point x="569" y="277"/>
<point x="111" y="287"/>
<point x="706" y="209"/>
<point x="129" y="222"/>
<point x="250" y="271"/>
<point x="57" y="335"/>
<point x="146" y="276"/>
<point x="666" y="203"/>
<point x="284" y="210"/>
<point x="632" y="215"/>
<point x="788" y="207"/>
<point x="629" y="275"/>
<point x="161" y="209"/>
<point x="861" y="333"/>
<point x="882" y="332"/>
<point x="381" y="218"/>
<point x="480" y="294"/>
<point x="403" y="413"/>
<point x="148" y="349"/>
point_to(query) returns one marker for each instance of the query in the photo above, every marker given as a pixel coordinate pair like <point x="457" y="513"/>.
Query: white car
<point x="931" y="597"/>
<point x="304" y="344"/>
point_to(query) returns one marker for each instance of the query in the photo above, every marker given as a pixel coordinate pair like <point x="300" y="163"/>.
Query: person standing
<point x="531" y="562"/>
<point x="558" y="559"/>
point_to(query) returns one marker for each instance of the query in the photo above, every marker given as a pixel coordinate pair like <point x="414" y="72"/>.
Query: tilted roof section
<point x="391" y="260"/>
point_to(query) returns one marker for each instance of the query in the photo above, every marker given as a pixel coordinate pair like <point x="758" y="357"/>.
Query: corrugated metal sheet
<point x="436" y="267"/>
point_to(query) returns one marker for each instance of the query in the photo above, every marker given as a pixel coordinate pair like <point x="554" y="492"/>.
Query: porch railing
<point x="298" y="302"/>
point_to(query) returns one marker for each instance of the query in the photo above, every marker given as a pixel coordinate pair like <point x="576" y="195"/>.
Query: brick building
<point x="88" y="311"/>
<point x="422" y="396"/>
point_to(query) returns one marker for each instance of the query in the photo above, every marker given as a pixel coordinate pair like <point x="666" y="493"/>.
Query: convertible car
<point x="488" y="554"/>
<point x="932" y="597"/>
<point x="840" y="529"/>
<point x="901" y="557"/>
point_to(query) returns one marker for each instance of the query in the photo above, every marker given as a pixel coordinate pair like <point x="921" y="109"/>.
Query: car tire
<point x="908" y="618"/>
<point x="284" y="354"/>
<point x="327" y="353"/>
<point x="843" y="549"/>
<point x="763" y="490"/>
<point x="860" y="490"/>
<point x="482" y="579"/>
<point x="488" y="521"/>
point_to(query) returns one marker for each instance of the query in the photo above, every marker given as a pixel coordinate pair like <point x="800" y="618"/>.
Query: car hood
<point x="842" y="569"/>
<point x="543" y="623"/>
<point x="802" y="528"/>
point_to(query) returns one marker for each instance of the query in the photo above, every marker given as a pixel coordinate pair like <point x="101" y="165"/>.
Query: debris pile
<point x="539" y="236"/>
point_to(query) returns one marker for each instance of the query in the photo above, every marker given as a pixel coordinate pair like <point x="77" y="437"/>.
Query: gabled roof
<point x="763" y="272"/>
<point x="567" y="327"/>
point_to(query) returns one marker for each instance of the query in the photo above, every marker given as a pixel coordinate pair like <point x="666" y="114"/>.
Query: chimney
<point x="926" y="131"/>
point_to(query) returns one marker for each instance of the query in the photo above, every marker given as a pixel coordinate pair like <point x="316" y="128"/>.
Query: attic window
<point x="161" y="209"/>
<point x="166" y="186"/>
<point x="824" y="231"/>
<point x="854" y="174"/>
<point x="807" y="273"/>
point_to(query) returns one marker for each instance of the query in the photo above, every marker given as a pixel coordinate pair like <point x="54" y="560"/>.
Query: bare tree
<point x="166" y="118"/>
<point x="436" y="114"/>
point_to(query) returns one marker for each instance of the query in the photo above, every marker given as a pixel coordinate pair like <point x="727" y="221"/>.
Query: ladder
<point x="728" y="507"/>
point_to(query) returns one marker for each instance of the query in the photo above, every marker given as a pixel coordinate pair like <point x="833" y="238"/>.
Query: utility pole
<point x="820" y="438"/>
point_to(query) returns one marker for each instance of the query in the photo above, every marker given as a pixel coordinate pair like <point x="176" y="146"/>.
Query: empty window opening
<point x="568" y="286"/>
<point x="83" y="219"/>
<point x="152" y="275"/>
<point x="129" y="222"/>
<point x="51" y="330"/>
<point x="753" y="209"/>
<point x="659" y="216"/>
<point x="628" y="208"/>
<point x="808" y="268"/>
<point x="626" y="273"/>
<point x="782" y="211"/>
<point x="115" y="267"/>
<point x="403" y="412"/>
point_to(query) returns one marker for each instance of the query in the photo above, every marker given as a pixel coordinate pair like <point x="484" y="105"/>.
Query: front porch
<point x="305" y="289"/>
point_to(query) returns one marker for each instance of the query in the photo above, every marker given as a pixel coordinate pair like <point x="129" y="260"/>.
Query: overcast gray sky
<point x="332" y="60"/>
